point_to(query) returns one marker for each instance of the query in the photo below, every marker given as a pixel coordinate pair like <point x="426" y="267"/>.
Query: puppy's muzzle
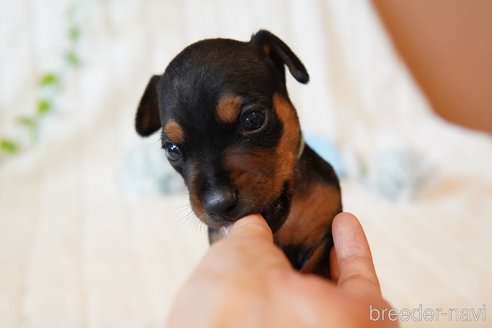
<point x="221" y="203"/>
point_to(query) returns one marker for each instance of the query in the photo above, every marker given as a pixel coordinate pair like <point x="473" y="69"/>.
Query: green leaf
<point x="26" y="121"/>
<point x="44" y="106"/>
<point x="9" y="146"/>
<point x="72" y="58"/>
<point x="73" y="33"/>
<point x="49" y="79"/>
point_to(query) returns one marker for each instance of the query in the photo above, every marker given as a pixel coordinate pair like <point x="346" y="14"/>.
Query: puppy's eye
<point x="253" y="120"/>
<point x="172" y="151"/>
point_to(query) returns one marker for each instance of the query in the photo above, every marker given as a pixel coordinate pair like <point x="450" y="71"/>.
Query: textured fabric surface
<point x="79" y="249"/>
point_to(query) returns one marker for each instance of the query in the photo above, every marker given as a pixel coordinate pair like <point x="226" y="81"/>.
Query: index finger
<point x="353" y="256"/>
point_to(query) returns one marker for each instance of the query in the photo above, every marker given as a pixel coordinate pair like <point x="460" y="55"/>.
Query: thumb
<point x="251" y="226"/>
<point x="355" y="268"/>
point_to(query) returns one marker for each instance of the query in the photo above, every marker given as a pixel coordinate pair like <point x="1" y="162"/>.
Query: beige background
<point x="79" y="249"/>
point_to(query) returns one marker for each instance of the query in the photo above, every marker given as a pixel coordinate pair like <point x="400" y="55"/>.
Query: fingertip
<point x="252" y="225"/>
<point x="345" y="218"/>
<point x="348" y="234"/>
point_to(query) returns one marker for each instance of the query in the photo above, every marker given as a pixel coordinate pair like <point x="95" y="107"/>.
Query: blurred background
<point x="95" y="227"/>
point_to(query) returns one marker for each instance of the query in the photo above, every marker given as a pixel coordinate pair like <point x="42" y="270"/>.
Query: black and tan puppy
<point x="231" y="131"/>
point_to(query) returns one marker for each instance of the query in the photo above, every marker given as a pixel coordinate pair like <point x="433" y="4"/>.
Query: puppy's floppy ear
<point x="147" y="120"/>
<point x="280" y="54"/>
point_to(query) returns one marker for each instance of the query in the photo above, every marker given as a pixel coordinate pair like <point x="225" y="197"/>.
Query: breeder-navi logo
<point x="428" y="314"/>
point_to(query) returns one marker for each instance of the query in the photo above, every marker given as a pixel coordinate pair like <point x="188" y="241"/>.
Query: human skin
<point x="244" y="280"/>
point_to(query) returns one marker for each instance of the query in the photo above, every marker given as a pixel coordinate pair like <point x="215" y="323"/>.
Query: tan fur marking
<point x="288" y="147"/>
<point x="320" y="205"/>
<point x="228" y="108"/>
<point x="174" y="132"/>
<point x="253" y="174"/>
<point x="260" y="174"/>
<point x="196" y="205"/>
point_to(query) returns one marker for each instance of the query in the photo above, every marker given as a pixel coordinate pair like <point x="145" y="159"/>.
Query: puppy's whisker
<point x="184" y="211"/>
<point x="197" y="225"/>
<point x="186" y="214"/>
<point x="185" y="205"/>
<point x="189" y="216"/>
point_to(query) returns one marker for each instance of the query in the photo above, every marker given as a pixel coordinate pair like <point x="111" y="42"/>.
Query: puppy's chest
<point x="309" y="223"/>
<point x="306" y="225"/>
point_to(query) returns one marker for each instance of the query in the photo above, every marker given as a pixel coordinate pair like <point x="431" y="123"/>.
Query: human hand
<point x="244" y="280"/>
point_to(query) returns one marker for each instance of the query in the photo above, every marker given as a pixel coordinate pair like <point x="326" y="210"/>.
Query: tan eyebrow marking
<point x="228" y="108"/>
<point x="174" y="132"/>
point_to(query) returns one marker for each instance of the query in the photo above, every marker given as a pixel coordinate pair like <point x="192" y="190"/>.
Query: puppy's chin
<point x="215" y="222"/>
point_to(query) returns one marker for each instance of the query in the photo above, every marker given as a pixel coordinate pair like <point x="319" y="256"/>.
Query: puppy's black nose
<point x="220" y="202"/>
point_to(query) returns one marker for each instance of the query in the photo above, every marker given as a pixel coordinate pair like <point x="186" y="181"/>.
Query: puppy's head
<point x="228" y="126"/>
